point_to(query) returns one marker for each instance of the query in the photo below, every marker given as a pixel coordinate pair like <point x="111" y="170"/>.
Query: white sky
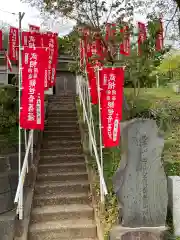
<point x="32" y="16"/>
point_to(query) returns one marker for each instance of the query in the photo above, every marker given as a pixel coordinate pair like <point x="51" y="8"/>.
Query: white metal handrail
<point x="82" y="96"/>
<point x="19" y="193"/>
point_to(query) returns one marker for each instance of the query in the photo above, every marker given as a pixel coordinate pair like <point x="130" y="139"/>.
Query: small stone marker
<point x="140" y="182"/>
<point x="174" y="202"/>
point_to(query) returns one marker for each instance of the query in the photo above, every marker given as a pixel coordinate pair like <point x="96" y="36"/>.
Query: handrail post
<point x="105" y="192"/>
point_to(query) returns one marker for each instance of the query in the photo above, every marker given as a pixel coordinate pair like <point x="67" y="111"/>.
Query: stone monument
<point x="140" y="182"/>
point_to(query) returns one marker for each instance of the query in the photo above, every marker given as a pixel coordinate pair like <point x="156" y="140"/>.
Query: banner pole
<point x="100" y="135"/>
<point x="88" y="99"/>
<point x="20" y="205"/>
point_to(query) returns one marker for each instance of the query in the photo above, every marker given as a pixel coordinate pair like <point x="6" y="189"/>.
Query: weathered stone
<point x="141" y="233"/>
<point x="174" y="202"/>
<point x="140" y="182"/>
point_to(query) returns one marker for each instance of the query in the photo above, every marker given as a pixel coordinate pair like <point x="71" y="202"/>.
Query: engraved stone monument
<point x="140" y="182"/>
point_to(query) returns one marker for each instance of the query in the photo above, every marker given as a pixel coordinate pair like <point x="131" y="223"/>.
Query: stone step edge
<point x="55" y="225"/>
<point x="71" y="164"/>
<point x="59" y="184"/>
<point x="61" y="196"/>
<point x="62" y="174"/>
<point x="67" y="208"/>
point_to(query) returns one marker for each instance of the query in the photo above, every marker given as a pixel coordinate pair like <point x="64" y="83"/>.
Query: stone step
<point x="63" y="137"/>
<point x="62" y="122"/>
<point x="68" y="158"/>
<point x="56" y="144"/>
<point x="56" y="230"/>
<point x="62" y="167"/>
<point x="61" y="99"/>
<point x="61" y="212"/>
<point x="62" y="132"/>
<point x="56" y="199"/>
<point x="61" y="125"/>
<point x="62" y="111"/>
<point x="61" y="150"/>
<point x="62" y="187"/>
<point x="62" y="176"/>
<point x="62" y="119"/>
<point x="62" y="115"/>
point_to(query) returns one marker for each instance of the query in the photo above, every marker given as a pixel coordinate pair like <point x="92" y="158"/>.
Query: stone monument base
<point x="140" y="233"/>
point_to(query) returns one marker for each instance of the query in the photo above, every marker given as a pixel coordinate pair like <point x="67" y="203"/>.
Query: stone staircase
<point x="62" y="206"/>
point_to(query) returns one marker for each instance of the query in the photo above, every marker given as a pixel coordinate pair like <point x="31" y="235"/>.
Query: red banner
<point x="33" y="28"/>
<point x="32" y="99"/>
<point x="1" y="40"/>
<point x="159" y="37"/>
<point x="8" y="62"/>
<point x="53" y="54"/>
<point x="81" y="55"/>
<point x="13" y="43"/>
<point x="54" y="60"/>
<point x="25" y="37"/>
<point x="111" y="98"/>
<point x="92" y="83"/>
<point x="34" y="40"/>
<point x="141" y="36"/>
<point x="110" y="31"/>
<point x="125" y="45"/>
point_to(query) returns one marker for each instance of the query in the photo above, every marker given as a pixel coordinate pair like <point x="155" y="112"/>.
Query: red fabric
<point x="34" y="39"/>
<point x="110" y="31"/>
<point x="159" y="37"/>
<point x="25" y="37"/>
<point x="1" y="40"/>
<point x="32" y="99"/>
<point x="125" y="45"/>
<point x="111" y="99"/>
<point x="92" y="83"/>
<point x="81" y="50"/>
<point x="50" y="40"/>
<point x="141" y="36"/>
<point x="13" y="43"/>
<point x="51" y="45"/>
<point x="54" y="60"/>
<point x="33" y="28"/>
<point x="9" y="65"/>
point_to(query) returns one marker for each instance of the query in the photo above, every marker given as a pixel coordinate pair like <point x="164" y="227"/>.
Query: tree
<point x="167" y="9"/>
<point x="94" y="14"/>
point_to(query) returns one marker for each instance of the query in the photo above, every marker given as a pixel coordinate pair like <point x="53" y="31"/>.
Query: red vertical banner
<point x="1" y="40"/>
<point x="81" y="54"/>
<point x="45" y="43"/>
<point x="25" y="37"/>
<point x="32" y="99"/>
<point x="13" y="43"/>
<point x="53" y="52"/>
<point x="110" y="31"/>
<point x="159" y="37"/>
<point x="8" y="62"/>
<point x="33" y="28"/>
<point x="111" y="98"/>
<point x="125" y="45"/>
<point x="34" y="39"/>
<point x="141" y="36"/>
<point x="92" y="83"/>
<point x="54" y="59"/>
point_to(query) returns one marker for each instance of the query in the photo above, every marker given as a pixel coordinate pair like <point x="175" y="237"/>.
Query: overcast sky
<point x="32" y="16"/>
